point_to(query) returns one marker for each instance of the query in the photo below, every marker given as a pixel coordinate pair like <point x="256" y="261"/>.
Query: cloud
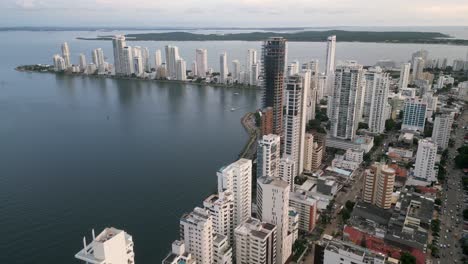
<point x="27" y="4"/>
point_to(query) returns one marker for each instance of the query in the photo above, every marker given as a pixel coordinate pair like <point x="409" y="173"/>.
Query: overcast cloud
<point x="242" y="13"/>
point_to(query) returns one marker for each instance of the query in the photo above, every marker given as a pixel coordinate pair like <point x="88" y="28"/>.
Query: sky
<point x="230" y="13"/>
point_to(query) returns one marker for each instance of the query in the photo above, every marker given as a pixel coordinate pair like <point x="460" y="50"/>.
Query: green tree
<point x="407" y="258"/>
<point x="390" y="124"/>
<point x="349" y="205"/>
<point x="465" y="214"/>
<point x="437" y="201"/>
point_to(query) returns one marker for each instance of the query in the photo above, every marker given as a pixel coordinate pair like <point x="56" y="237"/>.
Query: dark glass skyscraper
<point x="274" y="60"/>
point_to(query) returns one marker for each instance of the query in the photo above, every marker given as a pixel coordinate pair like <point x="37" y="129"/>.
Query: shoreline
<point x="107" y="76"/>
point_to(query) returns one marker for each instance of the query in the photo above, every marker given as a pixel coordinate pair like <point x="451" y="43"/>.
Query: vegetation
<point x="390" y="124"/>
<point x="438" y="201"/>
<point x="428" y="129"/>
<point x="311" y="36"/>
<point x="407" y="258"/>
<point x="346" y="211"/>
<point x="299" y="246"/>
<point x="461" y="160"/>
<point x="316" y="125"/>
<point x="321" y="115"/>
<point x="378" y="140"/>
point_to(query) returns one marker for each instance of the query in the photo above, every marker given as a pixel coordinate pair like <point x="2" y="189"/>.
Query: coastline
<point x="108" y="76"/>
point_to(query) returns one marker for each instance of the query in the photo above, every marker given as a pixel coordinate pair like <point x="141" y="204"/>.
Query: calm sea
<point x="78" y="153"/>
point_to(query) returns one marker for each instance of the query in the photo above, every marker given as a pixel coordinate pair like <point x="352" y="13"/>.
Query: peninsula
<point x="301" y="36"/>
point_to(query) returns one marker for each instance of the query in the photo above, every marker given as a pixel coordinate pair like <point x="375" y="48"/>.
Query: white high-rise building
<point x="296" y="88"/>
<point x="293" y="68"/>
<point x="59" y="63"/>
<point x="321" y="86"/>
<point x="223" y="68"/>
<point x="254" y="73"/>
<point x="221" y="206"/>
<point x="251" y="58"/>
<point x="236" y="69"/>
<point x="157" y="59"/>
<point x="82" y="62"/>
<point x="178" y="254"/>
<point x="404" y="75"/>
<point x="194" y="69"/>
<point x="425" y="160"/>
<point x="118" y="43"/>
<point x="441" y="130"/>
<point x="414" y="114"/>
<point x="98" y="59"/>
<point x="138" y="67"/>
<point x="201" y="57"/>
<point x="145" y="57"/>
<point x="196" y="230"/>
<point x="345" y="103"/>
<point x="172" y="55"/>
<point x="268" y="156"/>
<point x="287" y="168"/>
<point x="66" y="54"/>
<point x="110" y="246"/>
<point x="255" y="242"/>
<point x="272" y="203"/>
<point x="126" y="61"/>
<point x="222" y="251"/>
<point x="418" y="67"/>
<point x="331" y="47"/>
<point x="237" y="179"/>
<point x="181" y="70"/>
<point x="376" y="99"/>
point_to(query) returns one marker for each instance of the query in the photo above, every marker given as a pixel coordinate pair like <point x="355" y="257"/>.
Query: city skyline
<point x="257" y="13"/>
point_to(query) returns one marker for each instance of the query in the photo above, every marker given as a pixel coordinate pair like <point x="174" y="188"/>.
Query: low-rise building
<point x="306" y="206"/>
<point x="179" y="254"/>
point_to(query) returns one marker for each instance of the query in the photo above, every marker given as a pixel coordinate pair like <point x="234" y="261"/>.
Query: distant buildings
<point x="157" y="59"/>
<point x="274" y="60"/>
<point x="425" y="160"/>
<point x="201" y="58"/>
<point x="172" y="55"/>
<point x="119" y="43"/>
<point x="376" y="99"/>
<point x="110" y="246"/>
<point x="181" y="70"/>
<point x="66" y="54"/>
<point x="59" y="63"/>
<point x="378" y="185"/>
<point x="223" y="68"/>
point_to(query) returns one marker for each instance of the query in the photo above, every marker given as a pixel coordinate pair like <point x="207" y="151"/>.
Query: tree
<point x="428" y="129"/>
<point x="378" y="140"/>
<point x="437" y="201"/>
<point x="401" y="115"/>
<point x="407" y="258"/>
<point x="349" y="205"/>
<point x="465" y="214"/>
<point x="323" y="102"/>
<point x="390" y="124"/>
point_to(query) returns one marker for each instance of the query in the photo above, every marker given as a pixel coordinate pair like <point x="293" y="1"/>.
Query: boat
<point x="233" y="109"/>
<point x="236" y="93"/>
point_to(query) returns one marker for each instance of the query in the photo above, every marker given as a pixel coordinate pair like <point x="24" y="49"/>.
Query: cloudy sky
<point x="243" y="13"/>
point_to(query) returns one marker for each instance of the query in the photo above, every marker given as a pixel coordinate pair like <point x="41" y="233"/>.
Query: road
<point x="451" y="215"/>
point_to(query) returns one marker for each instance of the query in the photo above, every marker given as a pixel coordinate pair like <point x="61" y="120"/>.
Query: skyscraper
<point x="201" y="57"/>
<point x="118" y="43"/>
<point x="237" y="179"/>
<point x="98" y="59"/>
<point x="273" y="207"/>
<point x="404" y="75"/>
<point x="346" y="100"/>
<point x="254" y="73"/>
<point x="236" y="69"/>
<point x="418" y="67"/>
<point x="196" y="230"/>
<point x="441" y="130"/>
<point x="379" y="182"/>
<point x="66" y="54"/>
<point x="425" y="160"/>
<point x="268" y="156"/>
<point x="376" y="99"/>
<point x="59" y="63"/>
<point x="82" y="62"/>
<point x="330" y="66"/>
<point x="157" y="59"/>
<point x="223" y="68"/>
<point x="274" y="59"/>
<point x="251" y="58"/>
<point x="126" y="61"/>
<point x="145" y="58"/>
<point x="194" y="69"/>
<point x="295" y="118"/>
<point x="181" y="70"/>
<point x="172" y="55"/>
<point x="110" y="246"/>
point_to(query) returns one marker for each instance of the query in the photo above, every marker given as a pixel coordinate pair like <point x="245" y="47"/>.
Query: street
<point x="452" y="197"/>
